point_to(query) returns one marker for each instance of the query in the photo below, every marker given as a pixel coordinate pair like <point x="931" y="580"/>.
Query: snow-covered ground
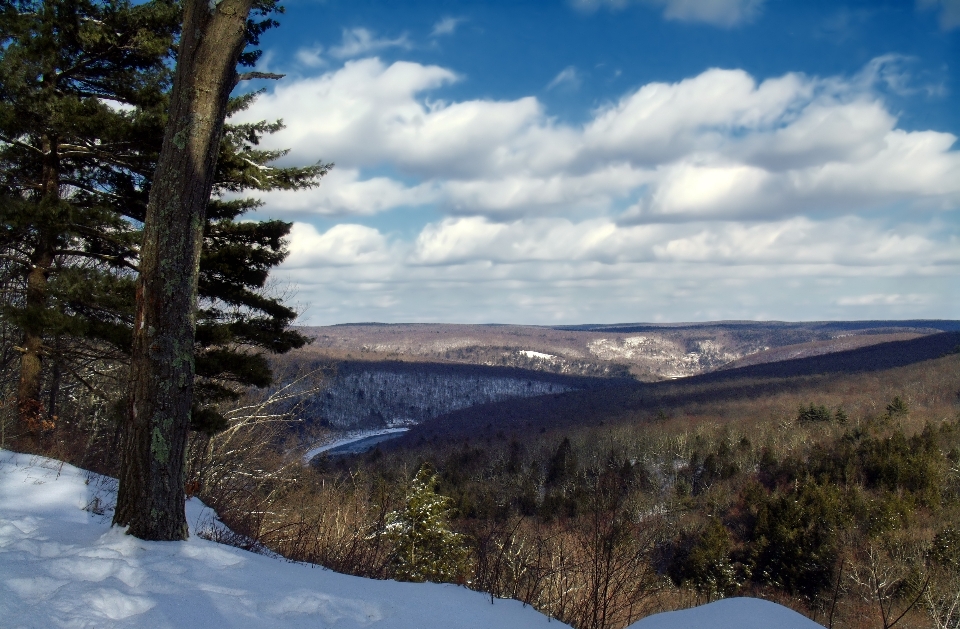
<point x="529" y="353"/>
<point x="730" y="613"/>
<point x="62" y="565"/>
<point x="350" y="437"/>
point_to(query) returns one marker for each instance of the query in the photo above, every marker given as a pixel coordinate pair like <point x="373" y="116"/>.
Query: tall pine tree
<point x="71" y="250"/>
<point x="82" y="84"/>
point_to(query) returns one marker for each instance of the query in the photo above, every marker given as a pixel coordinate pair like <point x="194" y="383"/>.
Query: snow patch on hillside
<point x="730" y="613"/>
<point x="532" y="354"/>
<point x="663" y="356"/>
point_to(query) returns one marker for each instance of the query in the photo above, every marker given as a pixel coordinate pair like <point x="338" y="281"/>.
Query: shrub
<point x="424" y="547"/>
<point x="813" y="414"/>
<point x="702" y="561"/>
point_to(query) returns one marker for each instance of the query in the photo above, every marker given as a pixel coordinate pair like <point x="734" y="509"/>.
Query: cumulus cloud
<point x="719" y="144"/>
<point x="883" y="299"/>
<point x="343" y="193"/>
<point x="724" y="13"/>
<point x="527" y="269"/>
<point x="360" y="41"/>
<point x="508" y="195"/>
<point x="717" y="12"/>
<point x="311" y="57"/>
<point x="685" y="188"/>
<point x="341" y="245"/>
<point x="850" y="242"/>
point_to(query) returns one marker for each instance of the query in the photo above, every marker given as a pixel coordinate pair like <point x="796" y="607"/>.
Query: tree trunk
<point x="29" y="403"/>
<point x="153" y="444"/>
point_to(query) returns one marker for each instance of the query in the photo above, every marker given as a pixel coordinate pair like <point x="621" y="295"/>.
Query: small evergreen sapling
<point x="424" y="547"/>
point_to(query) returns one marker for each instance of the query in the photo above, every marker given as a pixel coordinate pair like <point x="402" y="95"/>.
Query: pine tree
<point x="237" y="320"/>
<point x="80" y="301"/>
<point x="703" y="562"/>
<point x="154" y="435"/>
<point x="424" y="547"/>
<point x="72" y="163"/>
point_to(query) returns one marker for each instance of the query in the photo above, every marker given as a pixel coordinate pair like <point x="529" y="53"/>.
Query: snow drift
<point x="62" y="565"/>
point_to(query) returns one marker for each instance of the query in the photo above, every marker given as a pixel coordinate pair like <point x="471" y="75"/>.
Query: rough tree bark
<point x="29" y="404"/>
<point x="153" y="444"/>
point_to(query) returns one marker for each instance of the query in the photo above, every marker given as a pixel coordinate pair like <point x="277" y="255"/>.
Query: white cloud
<point x="548" y="270"/>
<point x="717" y="12"/>
<point x="662" y="121"/>
<point x="724" y="13"/>
<point x="360" y="41"/>
<point x="663" y="204"/>
<point x="311" y="57"/>
<point x="882" y="299"/>
<point x="716" y="145"/>
<point x="846" y="242"/>
<point x="341" y="245"/>
<point x="343" y="193"/>
<point x="446" y="26"/>
<point x="569" y="78"/>
<point x="567" y="193"/>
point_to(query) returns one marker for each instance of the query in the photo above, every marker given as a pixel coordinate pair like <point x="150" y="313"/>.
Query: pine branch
<point x="117" y="260"/>
<point x="247" y="76"/>
<point x="23" y="145"/>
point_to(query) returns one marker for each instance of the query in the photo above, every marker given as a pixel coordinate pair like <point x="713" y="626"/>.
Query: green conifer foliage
<point x="81" y="89"/>
<point x="897" y="408"/>
<point x="796" y="538"/>
<point x="813" y="414"/>
<point x="703" y="562"/>
<point x="90" y="80"/>
<point x="237" y="320"/>
<point x="424" y="547"/>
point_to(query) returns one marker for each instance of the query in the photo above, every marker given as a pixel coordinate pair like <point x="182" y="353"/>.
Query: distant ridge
<point x="582" y="407"/>
<point x="944" y="325"/>
<point x="871" y="358"/>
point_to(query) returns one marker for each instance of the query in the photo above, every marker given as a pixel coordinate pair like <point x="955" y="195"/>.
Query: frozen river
<point x="354" y="442"/>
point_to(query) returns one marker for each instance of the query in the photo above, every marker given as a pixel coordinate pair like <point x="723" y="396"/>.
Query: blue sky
<point x="620" y="160"/>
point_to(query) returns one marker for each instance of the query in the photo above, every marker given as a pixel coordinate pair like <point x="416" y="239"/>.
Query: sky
<point x="604" y="161"/>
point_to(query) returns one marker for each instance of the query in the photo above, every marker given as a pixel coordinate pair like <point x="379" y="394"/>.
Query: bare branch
<point x="247" y="76"/>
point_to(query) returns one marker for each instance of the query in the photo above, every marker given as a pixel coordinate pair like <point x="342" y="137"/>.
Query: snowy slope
<point x="730" y="613"/>
<point x="62" y="565"/>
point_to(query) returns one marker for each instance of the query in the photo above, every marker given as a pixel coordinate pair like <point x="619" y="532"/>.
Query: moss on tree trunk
<point x="151" y="497"/>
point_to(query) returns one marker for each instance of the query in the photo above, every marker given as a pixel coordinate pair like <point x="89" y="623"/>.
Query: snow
<point x="532" y="354"/>
<point x="63" y="565"/>
<point x="350" y="437"/>
<point x="730" y="613"/>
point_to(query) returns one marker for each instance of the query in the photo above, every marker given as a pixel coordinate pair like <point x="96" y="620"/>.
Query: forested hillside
<point x="830" y="487"/>
<point x="367" y="394"/>
<point x="646" y="352"/>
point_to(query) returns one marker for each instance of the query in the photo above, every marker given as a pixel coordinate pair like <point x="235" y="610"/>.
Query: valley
<point x="647" y="480"/>
<point x="400" y="375"/>
<point x="646" y="352"/>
